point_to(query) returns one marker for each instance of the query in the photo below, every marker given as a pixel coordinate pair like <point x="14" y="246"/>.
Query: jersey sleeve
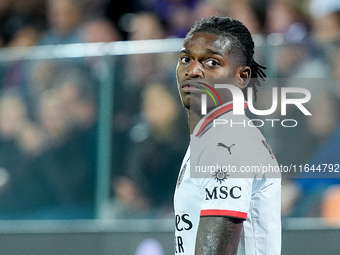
<point x="230" y="198"/>
<point x="225" y="192"/>
<point x="222" y="192"/>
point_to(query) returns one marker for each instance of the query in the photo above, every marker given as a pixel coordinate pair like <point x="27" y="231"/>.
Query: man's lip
<point x="192" y="86"/>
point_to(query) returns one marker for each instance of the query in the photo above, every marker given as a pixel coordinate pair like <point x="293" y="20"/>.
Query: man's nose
<point x="195" y="70"/>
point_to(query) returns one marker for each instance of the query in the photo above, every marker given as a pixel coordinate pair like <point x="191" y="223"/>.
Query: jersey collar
<point x="225" y="108"/>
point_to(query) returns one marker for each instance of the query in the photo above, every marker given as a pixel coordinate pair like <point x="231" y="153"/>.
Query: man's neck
<point x="193" y="119"/>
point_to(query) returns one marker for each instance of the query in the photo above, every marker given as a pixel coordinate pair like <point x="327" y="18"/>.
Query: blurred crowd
<point x="49" y="108"/>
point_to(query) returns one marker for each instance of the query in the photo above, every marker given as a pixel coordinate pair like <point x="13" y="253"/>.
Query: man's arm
<point x="218" y="235"/>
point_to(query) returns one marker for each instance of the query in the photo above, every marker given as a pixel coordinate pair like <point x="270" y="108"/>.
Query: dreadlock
<point x="242" y="44"/>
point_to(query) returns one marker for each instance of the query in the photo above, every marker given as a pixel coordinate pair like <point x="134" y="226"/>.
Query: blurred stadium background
<point x="92" y="133"/>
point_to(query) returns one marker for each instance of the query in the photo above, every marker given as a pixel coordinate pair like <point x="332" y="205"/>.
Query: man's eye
<point x="212" y="63"/>
<point x="185" y="60"/>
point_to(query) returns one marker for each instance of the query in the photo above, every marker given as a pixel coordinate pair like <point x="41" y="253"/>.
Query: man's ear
<point x="243" y="75"/>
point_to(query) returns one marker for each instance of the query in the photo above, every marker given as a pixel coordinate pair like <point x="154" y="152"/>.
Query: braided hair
<point x="242" y="44"/>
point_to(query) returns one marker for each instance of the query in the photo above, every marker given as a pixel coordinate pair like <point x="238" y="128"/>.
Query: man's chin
<point x="194" y="104"/>
<point x="194" y="108"/>
<point x="198" y="110"/>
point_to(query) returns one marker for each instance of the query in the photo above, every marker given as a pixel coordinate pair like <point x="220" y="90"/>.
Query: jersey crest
<point x="221" y="176"/>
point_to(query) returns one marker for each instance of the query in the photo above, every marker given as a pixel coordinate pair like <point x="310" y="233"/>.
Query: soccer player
<point x="223" y="213"/>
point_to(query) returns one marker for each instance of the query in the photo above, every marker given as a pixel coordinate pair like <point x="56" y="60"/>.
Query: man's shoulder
<point x="239" y="130"/>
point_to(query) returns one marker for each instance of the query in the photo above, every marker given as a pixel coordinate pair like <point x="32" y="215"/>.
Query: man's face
<point x="204" y="60"/>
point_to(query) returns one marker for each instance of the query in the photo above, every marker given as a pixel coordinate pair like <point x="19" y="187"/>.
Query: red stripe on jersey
<point x="217" y="113"/>
<point x="228" y="213"/>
